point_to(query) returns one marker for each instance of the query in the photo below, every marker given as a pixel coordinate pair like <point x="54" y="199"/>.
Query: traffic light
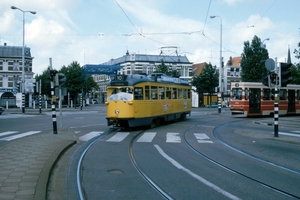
<point x="19" y="86"/>
<point x="266" y="80"/>
<point x="273" y="78"/>
<point x="52" y="74"/>
<point x="60" y="79"/>
<point x="284" y="74"/>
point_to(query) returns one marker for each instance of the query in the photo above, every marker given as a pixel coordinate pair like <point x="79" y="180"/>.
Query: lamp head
<point x="13" y="7"/>
<point x="212" y="16"/>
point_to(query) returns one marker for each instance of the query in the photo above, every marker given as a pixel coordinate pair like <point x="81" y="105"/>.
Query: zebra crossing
<point x="146" y="137"/>
<point x="15" y="116"/>
<point x="15" y="135"/>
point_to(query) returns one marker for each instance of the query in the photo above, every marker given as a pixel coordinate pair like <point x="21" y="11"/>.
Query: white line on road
<point x="8" y="133"/>
<point x="118" y="137"/>
<point x="199" y="178"/>
<point x="20" y="135"/>
<point x="173" y="138"/>
<point x="90" y="135"/>
<point x="147" y="137"/>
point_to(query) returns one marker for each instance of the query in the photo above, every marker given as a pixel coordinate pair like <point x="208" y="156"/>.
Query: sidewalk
<point x="26" y="164"/>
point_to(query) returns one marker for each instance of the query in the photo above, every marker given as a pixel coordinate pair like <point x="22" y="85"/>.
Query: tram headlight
<point x="117" y="112"/>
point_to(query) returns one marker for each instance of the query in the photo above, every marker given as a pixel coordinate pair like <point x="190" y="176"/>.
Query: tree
<point x="45" y="80"/>
<point x="295" y="70"/>
<point x="253" y="61"/>
<point x="163" y="68"/>
<point x="207" y="80"/>
<point x="76" y="81"/>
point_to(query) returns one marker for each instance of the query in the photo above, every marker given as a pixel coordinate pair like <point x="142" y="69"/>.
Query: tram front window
<point x="123" y="94"/>
<point x="237" y="93"/>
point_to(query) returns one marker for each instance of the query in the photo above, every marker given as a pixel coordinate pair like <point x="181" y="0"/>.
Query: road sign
<point x="270" y="64"/>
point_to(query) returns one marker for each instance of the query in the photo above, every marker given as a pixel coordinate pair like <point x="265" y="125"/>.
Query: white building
<point x="11" y="74"/>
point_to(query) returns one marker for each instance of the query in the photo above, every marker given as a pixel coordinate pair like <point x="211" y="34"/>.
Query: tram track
<point x="232" y="170"/>
<point x="142" y="173"/>
<point x="80" y="188"/>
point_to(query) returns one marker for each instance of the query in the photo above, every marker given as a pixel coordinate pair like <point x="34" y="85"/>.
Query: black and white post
<point x="52" y="75"/>
<point x="276" y="113"/>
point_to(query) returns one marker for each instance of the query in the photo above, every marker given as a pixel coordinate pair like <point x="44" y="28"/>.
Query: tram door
<point x="291" y="101"/>
<point x="254" y="100"/>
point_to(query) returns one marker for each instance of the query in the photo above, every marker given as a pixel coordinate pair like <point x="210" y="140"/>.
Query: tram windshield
<point x="237" y="93"/>
<point x="123" y="94"/>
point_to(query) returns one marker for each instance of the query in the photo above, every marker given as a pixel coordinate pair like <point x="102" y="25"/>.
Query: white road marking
<point x="288" y="134"/>
<point x="147" y="137"/>
<point x="296" y="131"/>
<point x="20" y="135"/>
<point x="199" y="178"/>
<point x="118" y="137"/>
<point x="202" y="138"/>
<point x="173" y="138"/>
<point x="7" y="133"/>
<point x="90" y="135"/>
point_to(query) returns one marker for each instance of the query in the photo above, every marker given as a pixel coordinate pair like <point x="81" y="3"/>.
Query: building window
<point x="16" y="66"/>
<point x="10" y="81"/>
<point x="5" y="66"/>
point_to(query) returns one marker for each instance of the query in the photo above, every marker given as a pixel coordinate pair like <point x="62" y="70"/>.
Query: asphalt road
<point x="210" y="155"/>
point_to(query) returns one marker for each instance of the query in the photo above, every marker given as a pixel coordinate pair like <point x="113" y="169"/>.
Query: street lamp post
<point x="23" y="56"/>
<point x="221" y="60"/>
<point x="263" y="45"/>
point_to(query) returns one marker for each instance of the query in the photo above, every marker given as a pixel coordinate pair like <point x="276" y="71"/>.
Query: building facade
<point x="11" y="75"/>
<point x="143" y="64"/>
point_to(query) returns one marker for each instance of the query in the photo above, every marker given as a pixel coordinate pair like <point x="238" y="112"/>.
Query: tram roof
<point x="101" y="69"/>
<point x="133" y="79"/>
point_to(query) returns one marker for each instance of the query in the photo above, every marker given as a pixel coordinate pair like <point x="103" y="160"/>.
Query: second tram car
<point x="138" y="100"/>
<point x="255" y="99"/>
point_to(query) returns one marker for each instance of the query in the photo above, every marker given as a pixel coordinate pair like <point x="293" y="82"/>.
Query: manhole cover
<point x="115" y="171"/>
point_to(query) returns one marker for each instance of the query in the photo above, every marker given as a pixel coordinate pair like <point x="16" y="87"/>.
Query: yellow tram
<point x="139" y="100"/>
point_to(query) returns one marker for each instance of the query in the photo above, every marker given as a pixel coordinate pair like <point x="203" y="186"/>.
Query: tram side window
<point x="179" y="93"/>
<point x="266" y="94"/>
<point x="168" y="93"/>
<point x="246" y="93"/>
<point x="237" y="93"/>
<point x="184" y="93"/>
<point x="147" y="92"/>
<point x="174" y="93"/>
<point x="153" y="92"/>
<point x="189" y="93"/>
<point x="161" y="92"/>
<point x="138" y="93"/>
<point x="298" y="94"/>
<point x="282" y="94"/>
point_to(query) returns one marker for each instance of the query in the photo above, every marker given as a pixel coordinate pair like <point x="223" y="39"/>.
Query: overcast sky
<point x="95" y="31"/>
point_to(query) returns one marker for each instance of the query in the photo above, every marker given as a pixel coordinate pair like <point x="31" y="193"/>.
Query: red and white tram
<point x="255" y="99"/>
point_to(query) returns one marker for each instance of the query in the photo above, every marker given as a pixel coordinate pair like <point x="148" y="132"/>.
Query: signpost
<point x="273" y="81"/>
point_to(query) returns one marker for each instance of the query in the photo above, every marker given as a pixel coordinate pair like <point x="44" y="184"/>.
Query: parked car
<point x="212" y="105"/>
<point x="1" y="110"/>
<point x="95" y="101"/>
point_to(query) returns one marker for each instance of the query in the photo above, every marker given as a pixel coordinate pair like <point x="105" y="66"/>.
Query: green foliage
<point x="207" y="80"/>
<point x="253" y="61"/>
<point x="163" y="68"/>
<point x="44" y="77"/>
<point x="76" y="81"/>
<point x="295" y="70"/>
<point x="295" y="74"/>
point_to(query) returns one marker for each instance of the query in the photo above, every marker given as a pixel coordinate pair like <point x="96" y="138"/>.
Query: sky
<point x="96" y="31"/>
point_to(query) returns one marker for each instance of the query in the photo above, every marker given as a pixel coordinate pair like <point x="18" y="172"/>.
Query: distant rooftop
<point x="148" y="58"/>
<point x="13" y="51"/>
